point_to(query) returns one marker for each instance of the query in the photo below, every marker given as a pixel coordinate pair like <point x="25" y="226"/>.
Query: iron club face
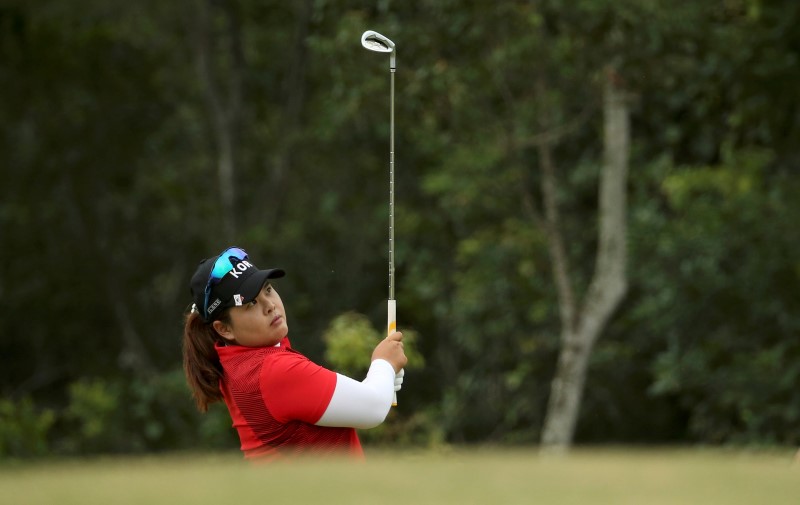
<point x="374" y="41"/>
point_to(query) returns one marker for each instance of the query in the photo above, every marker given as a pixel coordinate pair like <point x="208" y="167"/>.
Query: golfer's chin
<point x="278" y="332"/>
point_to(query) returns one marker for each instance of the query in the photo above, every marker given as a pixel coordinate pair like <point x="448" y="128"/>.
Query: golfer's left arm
<point x="362" y="404"/>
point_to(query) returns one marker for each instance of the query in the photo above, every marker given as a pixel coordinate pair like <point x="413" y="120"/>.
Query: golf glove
<point x="398" y="380"/>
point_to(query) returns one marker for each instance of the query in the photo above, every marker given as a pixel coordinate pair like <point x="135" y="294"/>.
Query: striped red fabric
<point x="274" y="396"/>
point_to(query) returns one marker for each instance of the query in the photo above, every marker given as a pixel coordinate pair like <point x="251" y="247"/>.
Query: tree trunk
<point x="224" y="99"/>
<point x="293" y="98"/>
<point x="608" y="286"/>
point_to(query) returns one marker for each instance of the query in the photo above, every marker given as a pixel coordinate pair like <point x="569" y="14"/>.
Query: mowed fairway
<point x="461" y="477"/>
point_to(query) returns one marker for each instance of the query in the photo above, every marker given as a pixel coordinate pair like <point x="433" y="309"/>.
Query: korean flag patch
<point x="237" y="299"/>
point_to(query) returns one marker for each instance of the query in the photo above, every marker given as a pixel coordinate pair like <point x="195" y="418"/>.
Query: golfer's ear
<point x="223" y="329"/>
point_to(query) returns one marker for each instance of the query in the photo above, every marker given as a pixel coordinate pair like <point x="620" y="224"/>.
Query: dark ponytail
<point x="200" y="360"/>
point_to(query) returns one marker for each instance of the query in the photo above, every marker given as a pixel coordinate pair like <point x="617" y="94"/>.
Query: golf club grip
<point x="391" y="328"/>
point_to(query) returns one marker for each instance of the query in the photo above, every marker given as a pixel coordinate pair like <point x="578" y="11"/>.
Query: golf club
<point x="374" y="41"/>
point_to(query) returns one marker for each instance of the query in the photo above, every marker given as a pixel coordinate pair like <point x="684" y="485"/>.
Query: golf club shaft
<point x="391" y="190"/>
<point x="392" y="305"/>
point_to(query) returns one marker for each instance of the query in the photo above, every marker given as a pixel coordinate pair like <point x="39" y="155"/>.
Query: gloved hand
<point x="398" y="380"/>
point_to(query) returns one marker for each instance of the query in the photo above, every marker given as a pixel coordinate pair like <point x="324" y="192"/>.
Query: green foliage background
<point x="110" y="198"/>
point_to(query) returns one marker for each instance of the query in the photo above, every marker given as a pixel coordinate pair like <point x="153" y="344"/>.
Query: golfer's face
<point x="261" y="322"/>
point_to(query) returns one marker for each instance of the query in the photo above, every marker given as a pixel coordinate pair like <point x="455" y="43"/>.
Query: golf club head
<point x="374" y="41"/>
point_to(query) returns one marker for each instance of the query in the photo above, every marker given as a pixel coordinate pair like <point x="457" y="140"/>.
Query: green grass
<point x="492" y="477"/>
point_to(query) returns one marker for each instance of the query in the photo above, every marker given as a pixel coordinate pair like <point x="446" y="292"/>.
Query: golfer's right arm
<point x="365" y="404"/>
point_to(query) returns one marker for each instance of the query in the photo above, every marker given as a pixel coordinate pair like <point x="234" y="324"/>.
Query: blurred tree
<point x="507" y="139"/>
<point x="582" y="321"/>
<point x="727" y="311"/>
<point x="219" y="55"/>
<point x="350" y="340"/>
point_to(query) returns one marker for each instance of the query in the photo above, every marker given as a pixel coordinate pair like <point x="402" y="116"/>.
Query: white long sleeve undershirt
<point x="362" y="404"/>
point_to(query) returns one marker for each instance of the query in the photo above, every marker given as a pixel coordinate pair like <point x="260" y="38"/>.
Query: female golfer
<point x="236" y="350"/>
